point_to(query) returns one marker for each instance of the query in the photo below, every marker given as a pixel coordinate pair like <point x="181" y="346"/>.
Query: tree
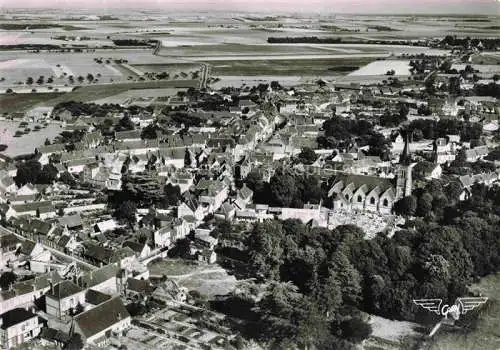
<point x="48" y="174"/>
<point x="348" y="277"/>
<point x="307" y="156"/>
<point x="355" y="329"/>
<point x="29" y="81"/>
<point x="3" y="147"/>
<point x="424" y="110"/>
<point x="67" y="178"/>
<point x="454" y="86"/>
<point x="75" y="342"/>
<point x="406" y="206"/>
<point x="126" y="124"/>
<point x="150" y="132"/>
<point x="417" y="135"/>
<point x="403" y="111"/>
<point x="90" y="78"/>
<point x="28" y="172"/>
<point x="424" y="204"/>
<point x="126" y="212"/>
<point x="80" y="79"/>
<point x="283" y="189"/>
<point x="172" y="194"/>
<point x="187" y="158"/>
<point x="6" y="279"/>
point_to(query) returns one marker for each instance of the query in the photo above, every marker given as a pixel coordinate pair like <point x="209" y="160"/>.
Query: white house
<point x="18" y="326"/>
<point x="64" y="297"/>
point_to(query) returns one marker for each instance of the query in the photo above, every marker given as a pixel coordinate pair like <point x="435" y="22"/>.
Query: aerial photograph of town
<point x="250" y="175"/>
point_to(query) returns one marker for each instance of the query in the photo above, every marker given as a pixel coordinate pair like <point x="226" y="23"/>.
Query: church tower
<point x="404" y="181"/>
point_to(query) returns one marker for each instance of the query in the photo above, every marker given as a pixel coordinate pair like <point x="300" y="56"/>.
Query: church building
<point x="373" y="193"/>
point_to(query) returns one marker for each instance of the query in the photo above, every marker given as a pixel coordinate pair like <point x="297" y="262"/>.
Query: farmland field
<point x="94" y="92"/>
<point x="381" y="67"/>
<point x="309" y="67"/>
<point x="22" y="102"/>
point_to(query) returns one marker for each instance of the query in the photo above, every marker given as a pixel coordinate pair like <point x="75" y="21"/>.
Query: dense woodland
<point x="322" y="279"/>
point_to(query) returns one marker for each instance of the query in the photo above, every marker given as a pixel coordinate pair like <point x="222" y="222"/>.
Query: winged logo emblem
<point x="460" y="307"/>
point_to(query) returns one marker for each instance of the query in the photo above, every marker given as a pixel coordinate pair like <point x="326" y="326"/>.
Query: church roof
<point x="370" y="181"/>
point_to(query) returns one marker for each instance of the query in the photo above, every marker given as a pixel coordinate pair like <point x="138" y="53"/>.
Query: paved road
<point x="56" y="252"/>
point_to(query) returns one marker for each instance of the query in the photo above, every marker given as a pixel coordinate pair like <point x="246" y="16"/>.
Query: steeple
<point x="435" y="151"/>
<point x="405" y="158"/>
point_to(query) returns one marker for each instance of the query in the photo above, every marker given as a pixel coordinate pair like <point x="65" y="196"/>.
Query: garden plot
<point x="27" y="143"/>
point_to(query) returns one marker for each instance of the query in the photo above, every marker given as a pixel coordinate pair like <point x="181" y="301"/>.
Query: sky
<point x="491" y="7"/>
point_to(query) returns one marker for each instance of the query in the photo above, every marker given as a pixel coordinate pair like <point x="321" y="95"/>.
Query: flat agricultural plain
<point x="80" y="56"/>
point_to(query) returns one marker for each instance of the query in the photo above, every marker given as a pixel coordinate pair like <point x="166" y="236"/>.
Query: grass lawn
<point x="487" y="334"/>
<point x="209" y="280"/>
<point x="289" y="67"/>
<point x="172" y="267"/>
<point x="22" y="102"/>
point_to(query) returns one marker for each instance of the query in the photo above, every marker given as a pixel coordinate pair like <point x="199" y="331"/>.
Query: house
<point x="128" y="136"/>
<point x="24" y="293"/>
<point x="102" y="176"/>
<point x="182" y="179"/>
<point x="96" y="254"/>
<point x="105" y="226"/>
<point x="104" y="279"/>
<point x="476" y="153"/>
<point x="92" y="139"/>
<point x="191" y="208"/>
<point x="207" y="256"/>
<point x="63" y="298"/>
<point x="7" y="185"/>
<point x="212" y="193"/>
<point x="99" y="323"/>
<point x="72" y="222"/>
<point x="77" y="166"/>
<point x="46" y="151"/>
<point x="18" y="326"/>
<point x="43" y="209"/>
<point x="428" y="170"/>
<point x="27" y="190"/>
<point x="206" y="241"/>
<point x="174" y="230"/>
<point x="136" y="287"/>
<point x="141" y="251"/>
<point x="9" y="244"/>
<point x="245" y="194"/>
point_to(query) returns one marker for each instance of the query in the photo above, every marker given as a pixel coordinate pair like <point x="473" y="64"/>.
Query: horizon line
<point x="277" y="12"/>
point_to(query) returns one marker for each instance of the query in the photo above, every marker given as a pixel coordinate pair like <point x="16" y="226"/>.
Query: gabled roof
<point x="101" y="317"/>
<point x="129" y="134"/>
<point x="56" y="147"/>
<point x="135" y="246"/>
<point x="100" y="275"/>
<point x="15" y="316"/>
<point x="359" y="180"/>
<point x="71" y="221"/>
<point x="63" y="290"/>
<point x="95" y="297"/>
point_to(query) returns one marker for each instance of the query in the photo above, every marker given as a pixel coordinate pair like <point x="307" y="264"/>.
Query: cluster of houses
<point x="48" y="225"/>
